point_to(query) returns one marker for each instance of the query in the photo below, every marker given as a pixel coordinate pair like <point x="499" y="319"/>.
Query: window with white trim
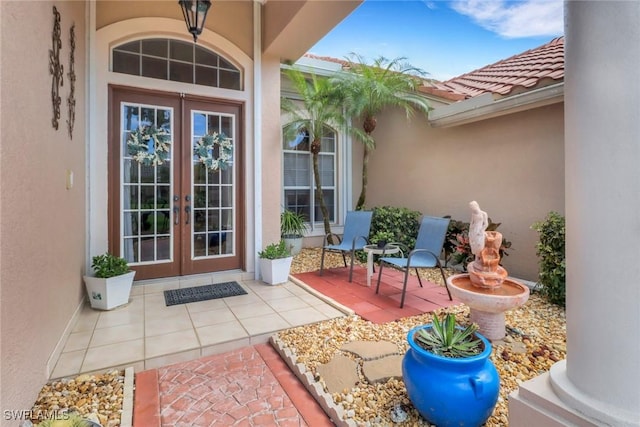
<point x="175" y="60"/>
<point x="299" y="186"/>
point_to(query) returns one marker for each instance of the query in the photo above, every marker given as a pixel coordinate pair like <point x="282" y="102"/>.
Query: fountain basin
<point x="488" y="304"/>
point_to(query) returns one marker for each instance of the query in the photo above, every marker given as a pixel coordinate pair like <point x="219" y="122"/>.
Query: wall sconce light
<point x="195" y="13"/>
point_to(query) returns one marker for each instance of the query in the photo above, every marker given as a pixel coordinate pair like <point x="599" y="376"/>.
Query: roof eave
<point x="485" y="107"/>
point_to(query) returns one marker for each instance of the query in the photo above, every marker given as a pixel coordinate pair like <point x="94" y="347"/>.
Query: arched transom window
<point x="175" y="60"/>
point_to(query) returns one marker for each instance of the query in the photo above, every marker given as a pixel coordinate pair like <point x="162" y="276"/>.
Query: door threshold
<point x="196" y="279"/>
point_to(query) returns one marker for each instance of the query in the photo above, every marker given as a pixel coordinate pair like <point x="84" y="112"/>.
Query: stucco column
<point x="598" y="381"/>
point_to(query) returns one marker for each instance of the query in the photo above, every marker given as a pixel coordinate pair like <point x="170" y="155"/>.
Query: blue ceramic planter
<point x="448" y="391"/>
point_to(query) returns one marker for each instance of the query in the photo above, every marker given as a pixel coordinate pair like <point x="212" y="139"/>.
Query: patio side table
<point x="372" y="250"/>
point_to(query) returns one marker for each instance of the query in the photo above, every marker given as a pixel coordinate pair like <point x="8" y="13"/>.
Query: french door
<point x="175" y="189"/>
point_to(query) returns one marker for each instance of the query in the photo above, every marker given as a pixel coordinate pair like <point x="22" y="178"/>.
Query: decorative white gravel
<point x="536" y="339"/>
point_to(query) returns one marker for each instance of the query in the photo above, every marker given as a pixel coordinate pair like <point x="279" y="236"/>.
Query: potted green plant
<point x="111" y="284"/>
<point x="447" y="367"/>
<point x="292" y="228"/>
<point x="275" y="263"/>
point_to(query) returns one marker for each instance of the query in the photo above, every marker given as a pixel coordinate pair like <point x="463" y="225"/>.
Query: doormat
<point x="203" y="293"/>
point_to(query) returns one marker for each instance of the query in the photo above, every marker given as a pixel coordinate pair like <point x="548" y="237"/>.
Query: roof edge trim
<point x="484" y="106"/>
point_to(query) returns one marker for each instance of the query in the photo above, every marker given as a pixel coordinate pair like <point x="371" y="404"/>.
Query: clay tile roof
<point x="529" y="70"/>
<point x="532" y="69"/>
<point x="342" y="62"/>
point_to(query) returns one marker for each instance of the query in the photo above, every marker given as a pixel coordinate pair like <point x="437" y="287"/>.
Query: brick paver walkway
<point x="248" y="387"/>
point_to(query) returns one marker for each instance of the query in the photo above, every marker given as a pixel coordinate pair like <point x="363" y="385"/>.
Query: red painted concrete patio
<point x="384" y="306"/>
<point x="253" y="386"/>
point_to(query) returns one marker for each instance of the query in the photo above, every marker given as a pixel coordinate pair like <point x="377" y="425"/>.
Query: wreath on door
<point x="149" y="145"/>
<point x="210" y="145"/>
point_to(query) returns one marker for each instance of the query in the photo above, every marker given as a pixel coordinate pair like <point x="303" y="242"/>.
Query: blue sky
<point x="444" y="38"/>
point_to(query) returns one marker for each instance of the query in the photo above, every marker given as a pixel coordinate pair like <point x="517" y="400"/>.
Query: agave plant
<point x="446" y="339"/>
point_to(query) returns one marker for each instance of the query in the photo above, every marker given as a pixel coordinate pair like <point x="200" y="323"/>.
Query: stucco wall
<point x="230" y="19"/>
<point x="42" y="232"/>
<point x="512" y="165"/>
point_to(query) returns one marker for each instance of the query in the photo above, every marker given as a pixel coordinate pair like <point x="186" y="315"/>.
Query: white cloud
<point x="430" y="4"/>
<point x="514" y="19"/>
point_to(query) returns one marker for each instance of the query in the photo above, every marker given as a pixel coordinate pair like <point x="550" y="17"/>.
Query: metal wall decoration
<point x="71" y="99"/>
<point x="55" y="68"/>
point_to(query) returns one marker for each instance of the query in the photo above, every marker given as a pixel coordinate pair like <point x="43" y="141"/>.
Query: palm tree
<point x="319" y="107"/>
<point x="367" y="89"/>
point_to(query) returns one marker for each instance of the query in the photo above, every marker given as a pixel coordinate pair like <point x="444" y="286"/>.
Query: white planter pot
<point x="294" y="244"/>
<point x="107" y="294"/>
<point x="275" y="271"/>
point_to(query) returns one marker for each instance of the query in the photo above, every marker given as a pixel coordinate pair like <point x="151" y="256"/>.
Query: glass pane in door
<point x="214" y="227"/>
<point x="146" y="159"/>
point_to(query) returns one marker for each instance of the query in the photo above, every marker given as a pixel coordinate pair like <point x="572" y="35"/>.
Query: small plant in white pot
<point x="292" y="228"/>
<point x="111" y="285"/>
<point x="275" y="263"/>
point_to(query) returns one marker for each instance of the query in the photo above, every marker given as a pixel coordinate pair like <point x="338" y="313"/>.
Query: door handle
<point x="176" y="211"/>
<point x="176" y="215"/>
<point x="187" y="208"/>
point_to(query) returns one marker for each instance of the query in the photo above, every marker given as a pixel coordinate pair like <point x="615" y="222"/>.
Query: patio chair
<point x="356" y="234"/>
<point x="425" y="254"/>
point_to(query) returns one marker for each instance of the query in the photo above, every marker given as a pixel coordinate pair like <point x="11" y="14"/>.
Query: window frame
<point x="313" y="222"/>
<point x="222" y="67"/>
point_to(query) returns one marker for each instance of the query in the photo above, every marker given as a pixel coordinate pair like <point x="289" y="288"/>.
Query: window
<point x="175" y="60"/>
<point x="299" y="187"/>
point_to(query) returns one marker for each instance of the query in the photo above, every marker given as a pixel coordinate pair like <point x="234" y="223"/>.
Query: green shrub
<point x="108" y="265"/>
<point x="275" y="251"/>
<point x="550" y="251"/>
<point x="393" y="224"/>
<point x="401" y="223"/>
<point x="458" y="243"/>
<point x="451" y="240"/>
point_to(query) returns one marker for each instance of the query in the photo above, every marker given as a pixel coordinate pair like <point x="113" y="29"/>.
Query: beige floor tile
<point x="158" y="287"/>
<point x="137" y="290"/>
<point x="196" y="281"/>
<point x="329" y="311"/>
<point x="111" y="355"/>
<point x="260" y="339"/>
<point x="312" y="299"/>
<point x="77" y="341"/>
<point x="209" y="305"/>
<point x="250" y="298"/>
<point x="68" y="363"/>
<point x="117" y="338"/>
<point x="220" y="333"/>
<point x="286" y="304"/>
<point x="183" y="356"/>
<point x="155" y="301"/>
<point x="269" y="293"/>
<point x="295" y="289"/>
<point x="160" y="311"/>
<point x="87" y="319"/>
<point x="117" y="334"/>
<point x="263" y="324"/>
<point x="302" y="316"/>
<point x="136" y="303"/>
<point x="252" y="310"/>
<point x="253" y="284"/>
<point x="212" y="317"/>
<point x="109" y="319"/>
<point x="174" y="342"/>
<point x="167" y="324"/>
<point x="225" y="347"/>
